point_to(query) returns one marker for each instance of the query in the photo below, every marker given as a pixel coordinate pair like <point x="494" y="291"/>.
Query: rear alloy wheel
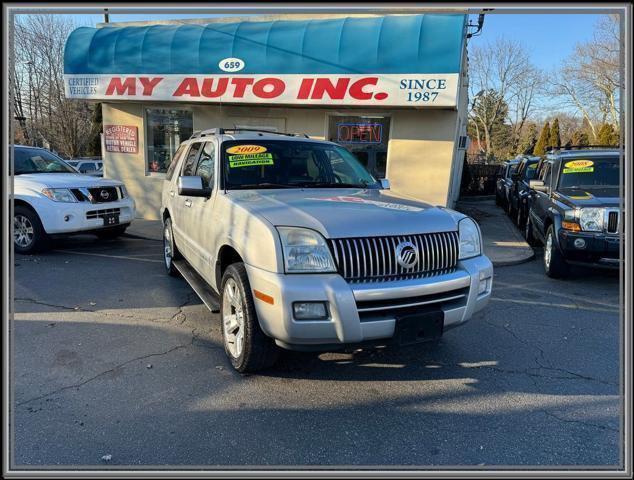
<point x="554" y="263"/>
<point x="28" y="233"/>
<point x="246" y="345"/>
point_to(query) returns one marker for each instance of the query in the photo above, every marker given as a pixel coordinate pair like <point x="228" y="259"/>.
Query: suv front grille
<point x="101" y="213"/>
<point x="96" y="194"/>
<point x="371" y="259"/>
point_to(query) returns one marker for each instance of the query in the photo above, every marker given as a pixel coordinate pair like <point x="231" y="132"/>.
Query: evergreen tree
<point x="555" y="137"/>
<point x="580" y="138"/>
<point x="528" y="141"/>
<point x="607" y="135"/>
<point x="94" y="144"/>
<point x="542" y="143"/>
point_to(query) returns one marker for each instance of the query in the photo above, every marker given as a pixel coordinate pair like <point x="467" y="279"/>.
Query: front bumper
<point x="61" y="218"/>
<point x="598" y="248"/>
<point x="363" y="312"/>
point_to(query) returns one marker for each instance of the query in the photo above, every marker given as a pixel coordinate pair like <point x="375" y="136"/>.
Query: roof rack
<point x="580" y="147"/>
<point x="222" y="131"/>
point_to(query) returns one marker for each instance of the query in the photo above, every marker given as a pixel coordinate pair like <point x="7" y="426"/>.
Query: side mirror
<point x="192" y="187"/>
<point x="515" y="176"/>
<point x="385" y="184"/>
<point x="538" y="186"/>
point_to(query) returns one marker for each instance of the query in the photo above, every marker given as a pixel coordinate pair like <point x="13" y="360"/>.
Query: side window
<point x="205" y="167"/>
<point x="87" y="167"/>
<point x="547" y="174"/>
<point x="190" y="161"/>
<point x="174" y="162"/>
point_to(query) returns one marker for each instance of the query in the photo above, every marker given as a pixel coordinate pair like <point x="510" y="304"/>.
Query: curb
<point x="509" y="263"/>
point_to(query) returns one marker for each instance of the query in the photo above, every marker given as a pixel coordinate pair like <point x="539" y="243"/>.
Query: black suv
<point x="575" y="210"/>
<point x="519" y="189"/>
<point x="504" y="182"/>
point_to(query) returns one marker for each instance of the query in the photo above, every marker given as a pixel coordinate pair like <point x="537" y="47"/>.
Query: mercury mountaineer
<point x="305" y="250"/>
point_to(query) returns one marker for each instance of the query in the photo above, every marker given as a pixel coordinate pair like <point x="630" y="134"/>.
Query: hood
<point x="589" y="197"/>
<point x="343" y="212"/>
<point x="64" y="180"/>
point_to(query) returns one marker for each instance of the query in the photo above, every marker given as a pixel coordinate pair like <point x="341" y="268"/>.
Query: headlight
<point x="591" y="219"/>
<point x="470" y="244"/>
<point x="60" y="195"/>
<point x="305" y="251"/>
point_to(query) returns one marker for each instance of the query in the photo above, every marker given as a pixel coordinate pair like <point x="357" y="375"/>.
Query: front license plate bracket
<point x="419" y="328"/>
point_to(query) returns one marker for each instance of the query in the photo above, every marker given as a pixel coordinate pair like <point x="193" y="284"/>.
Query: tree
<point x="45" y="115"/>
<point x="542" y="143"/>
<point x="528" y="140"/>
<point x="554" y="139"/>
<point x="607" y="135"/>
<point x="591" y="79"/>
<point x="94" y="146"/>
<point x="505" y="82"/>
<point x="580" y="138"/>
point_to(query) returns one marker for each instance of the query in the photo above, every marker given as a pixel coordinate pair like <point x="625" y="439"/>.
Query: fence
<point x="478" y="179"/>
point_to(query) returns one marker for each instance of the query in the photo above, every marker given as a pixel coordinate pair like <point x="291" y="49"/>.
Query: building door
<point x="366" y="137"/>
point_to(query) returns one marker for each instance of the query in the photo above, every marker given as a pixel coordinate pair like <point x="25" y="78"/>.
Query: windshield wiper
<point x="329" y="185"/>
<point x="248" y="186"/>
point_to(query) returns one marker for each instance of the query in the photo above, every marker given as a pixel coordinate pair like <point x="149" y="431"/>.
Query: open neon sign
<point x="359" y="132"/>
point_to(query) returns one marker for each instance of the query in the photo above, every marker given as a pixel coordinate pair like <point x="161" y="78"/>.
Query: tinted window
<point x="35" y="160"/>
<point x="280" y="164"/>
<point x="87" y="167"/>
<point x="604" y="172"/>
<point x="174" y="161"/>
<point x="205" y="167"/>
<point x="530" y="171"/>
<point x="190" y="160"/>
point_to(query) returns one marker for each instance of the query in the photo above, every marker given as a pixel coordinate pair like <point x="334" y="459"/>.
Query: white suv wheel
<point x="233" y="318"/>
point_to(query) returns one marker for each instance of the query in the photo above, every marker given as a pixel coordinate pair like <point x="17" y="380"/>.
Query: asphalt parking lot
<point x="113" y="357"/>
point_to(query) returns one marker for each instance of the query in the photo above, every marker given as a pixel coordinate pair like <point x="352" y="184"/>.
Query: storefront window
<point x="166" y="129"/>
<point x="366" y="137"/>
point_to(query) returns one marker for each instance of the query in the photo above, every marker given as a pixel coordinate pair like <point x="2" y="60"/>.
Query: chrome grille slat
<point x="372" y="259"/>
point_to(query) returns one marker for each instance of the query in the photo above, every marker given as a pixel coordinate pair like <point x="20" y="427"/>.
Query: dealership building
<point x="390" y="88"/>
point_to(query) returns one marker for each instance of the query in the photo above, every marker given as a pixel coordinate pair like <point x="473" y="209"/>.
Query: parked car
<point x="87" y="166"/>
<point x="519" y="189"/>
<point x="52" y="199"/>
<point x="575" y="210"/>
<point x="307" y="251"/>
<point x="504" y="182"/>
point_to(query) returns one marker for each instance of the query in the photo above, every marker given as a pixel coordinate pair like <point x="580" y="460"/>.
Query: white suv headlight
<point x="305" y="251"/>
<point x="60" y="195"/>
<point x="470" y="242"/>
<point x="591" y="219"/>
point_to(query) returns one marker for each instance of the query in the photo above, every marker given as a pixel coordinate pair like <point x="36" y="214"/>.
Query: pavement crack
<point x="105" y="372"/>
<point x="45" y="304"/>
<point x="580" y="422"/>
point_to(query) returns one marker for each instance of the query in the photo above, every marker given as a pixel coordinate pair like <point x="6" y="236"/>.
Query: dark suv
<point x="519" y="189"/>
<point x="575" y="210"/>
<point x="504" y="181"/>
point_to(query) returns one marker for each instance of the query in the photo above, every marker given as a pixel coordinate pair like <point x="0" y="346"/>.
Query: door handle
<point x="188" y="203"/>
<point x="171" y="193"/>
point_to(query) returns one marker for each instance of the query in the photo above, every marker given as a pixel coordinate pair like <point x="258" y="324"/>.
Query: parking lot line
<point x="122" y="257"/>
<point x="556" y="305"/>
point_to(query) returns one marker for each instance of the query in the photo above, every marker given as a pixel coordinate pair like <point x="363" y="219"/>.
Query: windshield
<point x="598" y="172"/>
<point x="35" y="160"/>
<point x="291" y="164"/>
<point x="531" y="169"/>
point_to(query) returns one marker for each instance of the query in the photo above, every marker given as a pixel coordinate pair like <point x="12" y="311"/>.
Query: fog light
<point x="310" y="311"/>
<point x="580" y="243"/>
<point x="483" y="286"/>
<point x="66" y="218"/>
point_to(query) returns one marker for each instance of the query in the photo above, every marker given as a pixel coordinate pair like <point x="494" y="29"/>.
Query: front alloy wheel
<point x="23" y="232"/>
<point x="233" y="318"/>
<point x="554" y="263"/>
<point x="170" y="252"/>
<point x="29" y="235"/>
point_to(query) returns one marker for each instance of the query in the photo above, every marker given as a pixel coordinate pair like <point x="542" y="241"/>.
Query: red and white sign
<point x="121" y="138"/>
<point x="414" y="90"/>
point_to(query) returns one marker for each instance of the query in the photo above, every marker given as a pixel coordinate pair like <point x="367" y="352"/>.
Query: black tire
<point x="554" y="263"/>
<point x="29" y="236"/>
<point x="112" y="232"/>
<point x="529" y="234"/>
<point x="173" y="253"/>
<point x="258" y="351"/>
<point x="519" y="218"/>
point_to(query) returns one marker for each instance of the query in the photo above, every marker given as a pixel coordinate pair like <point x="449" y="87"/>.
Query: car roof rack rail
<point x="564" y="148"/>
<point x="222" y="131"/>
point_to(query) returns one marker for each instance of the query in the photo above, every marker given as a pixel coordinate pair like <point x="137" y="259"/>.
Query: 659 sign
<point x="231" y="64"/>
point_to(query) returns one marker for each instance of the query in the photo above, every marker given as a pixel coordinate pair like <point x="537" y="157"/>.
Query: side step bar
<point x="198" y="284"/>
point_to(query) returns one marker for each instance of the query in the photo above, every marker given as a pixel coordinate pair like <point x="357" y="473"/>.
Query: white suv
<point x="308" y="251"/>
<point x="52" y="199"/>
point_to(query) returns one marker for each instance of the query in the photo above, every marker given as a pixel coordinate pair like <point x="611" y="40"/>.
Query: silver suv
<point x="303" y="249"/>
